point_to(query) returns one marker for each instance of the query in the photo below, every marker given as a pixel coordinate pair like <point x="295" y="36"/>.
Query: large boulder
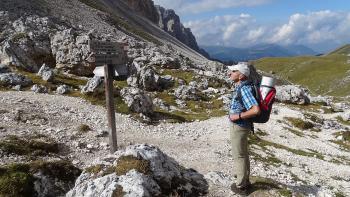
<point x="165" y="62"/>
<point x="27" y="42"/>
<point x="137" y="100"/>
<point x="149" y="80"/>
<point x="185" y="92"/>
<point x="292" y="94"/>
<point x="13" y="79"/>
<point x="94" y="86"/>
<point x="72" y="52"/>
<point x="139" y="171"/>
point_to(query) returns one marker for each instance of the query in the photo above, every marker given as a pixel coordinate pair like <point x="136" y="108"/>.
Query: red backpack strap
<point x="270" y="97"/>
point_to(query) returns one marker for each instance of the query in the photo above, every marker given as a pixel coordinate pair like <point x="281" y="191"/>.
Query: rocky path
<point x="305" y="161"/>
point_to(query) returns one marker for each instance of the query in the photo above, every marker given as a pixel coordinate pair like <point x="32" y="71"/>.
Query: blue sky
<point x="319" y="24"/>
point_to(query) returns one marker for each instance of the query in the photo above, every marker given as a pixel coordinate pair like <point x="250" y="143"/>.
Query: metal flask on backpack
<point x="267" y="83"/>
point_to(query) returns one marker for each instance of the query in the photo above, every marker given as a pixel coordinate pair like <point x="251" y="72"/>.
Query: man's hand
<point x="234" y="117"/>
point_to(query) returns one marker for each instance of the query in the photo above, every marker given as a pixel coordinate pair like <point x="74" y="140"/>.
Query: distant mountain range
<point x="256" y="52"/>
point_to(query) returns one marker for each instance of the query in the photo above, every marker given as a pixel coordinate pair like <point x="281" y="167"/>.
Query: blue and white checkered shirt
<point x="248" y="101"/>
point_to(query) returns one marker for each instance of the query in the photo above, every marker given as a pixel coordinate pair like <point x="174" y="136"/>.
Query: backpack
<point x="264" y="104"/>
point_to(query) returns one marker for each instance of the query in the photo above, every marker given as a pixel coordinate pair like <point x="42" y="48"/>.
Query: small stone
<point x="90" y="146"/>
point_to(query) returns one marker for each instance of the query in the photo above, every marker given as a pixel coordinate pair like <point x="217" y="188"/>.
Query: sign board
<point x="105" y="52"/>
<point x="118" y="71"/>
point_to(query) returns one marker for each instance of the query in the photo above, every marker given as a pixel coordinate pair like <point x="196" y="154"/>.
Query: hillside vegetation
<point x="325" y="75"/>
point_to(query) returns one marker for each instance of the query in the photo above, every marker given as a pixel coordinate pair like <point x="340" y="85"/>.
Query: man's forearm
<point x="252" y="112"/>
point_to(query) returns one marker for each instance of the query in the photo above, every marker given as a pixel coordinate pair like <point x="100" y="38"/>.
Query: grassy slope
<point x="322" y="75"/>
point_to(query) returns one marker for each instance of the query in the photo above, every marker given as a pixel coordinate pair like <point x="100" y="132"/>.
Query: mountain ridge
<point x="256" y="52"/>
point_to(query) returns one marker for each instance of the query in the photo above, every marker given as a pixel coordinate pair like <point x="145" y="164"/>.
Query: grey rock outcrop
<point x="165" y="62"/>
<point x="185" y="92"/>
<point x="146" y="78"/>
<point x="292" y="94"/>
<point x="13" y="79"/>
<point x="94" y="86"/>
<point x="137" y="100"/>
<point x="144" y="8"/>
<point x="72" y="52"/>
<point x="165" y="176"/>
<point x="169" y="21"/>
<point x="26" y="42"/>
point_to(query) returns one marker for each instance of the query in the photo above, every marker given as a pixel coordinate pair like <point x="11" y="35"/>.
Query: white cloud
<point x="313" y="28"/>
<point x="198" y="6"/>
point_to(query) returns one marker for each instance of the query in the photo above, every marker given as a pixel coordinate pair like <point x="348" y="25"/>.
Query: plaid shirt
<point x="248" y="101"/>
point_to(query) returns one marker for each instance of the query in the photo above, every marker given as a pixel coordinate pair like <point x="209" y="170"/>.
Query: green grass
<point x="17" y="179"/>
<point x="321" y="75"/>
<point x="343" y="50"/>
<point x="59" y="79"/>
<point x="187" y="76"/>
<point x="345" y="142"/>
<point x="29" y="145"/>
<point x="18" y="36"/>
<point x="294" y="131"/>
<point x="341" y="120"/>
<point x="253" y="139"/>
<point x="83" y="128"/>
<point x="299" y="123"/>
<point x="261" y="186"/>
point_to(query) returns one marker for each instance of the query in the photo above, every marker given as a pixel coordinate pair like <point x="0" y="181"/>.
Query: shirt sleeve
<point x="248" y="98"/>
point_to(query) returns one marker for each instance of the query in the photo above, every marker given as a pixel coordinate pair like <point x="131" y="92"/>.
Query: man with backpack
<point x="244" y="106"/>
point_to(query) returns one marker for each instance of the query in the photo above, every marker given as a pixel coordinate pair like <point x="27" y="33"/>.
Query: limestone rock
<point x="292" y="94"/>
<point x="137" y="100"/>
<point x="46" y="73"/>
<point x="187" y="93"/>
<point x="219" y="178"/>
<point x="13" y="79"/>
<point x="63" y="89"/>
<point x="94" y="86"/>
<point x="72" y="52"/>
<point x="39" y="89"/>
<point x="165" y="176"/>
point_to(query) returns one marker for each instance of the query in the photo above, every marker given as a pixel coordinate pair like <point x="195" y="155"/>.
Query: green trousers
<point x="241" y="164"/>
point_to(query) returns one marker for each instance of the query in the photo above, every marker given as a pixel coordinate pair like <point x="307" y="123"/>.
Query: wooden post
<point x="109" y="73"/>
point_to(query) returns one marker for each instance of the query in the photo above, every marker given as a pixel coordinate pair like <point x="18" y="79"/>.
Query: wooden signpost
<point x="109" y="58"/>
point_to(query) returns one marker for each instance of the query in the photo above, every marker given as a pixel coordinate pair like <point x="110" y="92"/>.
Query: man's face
<point x="234" y="75"/>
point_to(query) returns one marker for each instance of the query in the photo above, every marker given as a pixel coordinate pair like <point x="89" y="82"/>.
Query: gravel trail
<point x="202" y="145"/>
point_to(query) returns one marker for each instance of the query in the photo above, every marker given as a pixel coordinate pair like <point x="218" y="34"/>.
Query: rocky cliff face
<point x="167" y="20"/>
<point x="144" y="8"/>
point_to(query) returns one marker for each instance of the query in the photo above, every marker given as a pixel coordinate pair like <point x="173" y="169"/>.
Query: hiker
<point x="243" y="107"/>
